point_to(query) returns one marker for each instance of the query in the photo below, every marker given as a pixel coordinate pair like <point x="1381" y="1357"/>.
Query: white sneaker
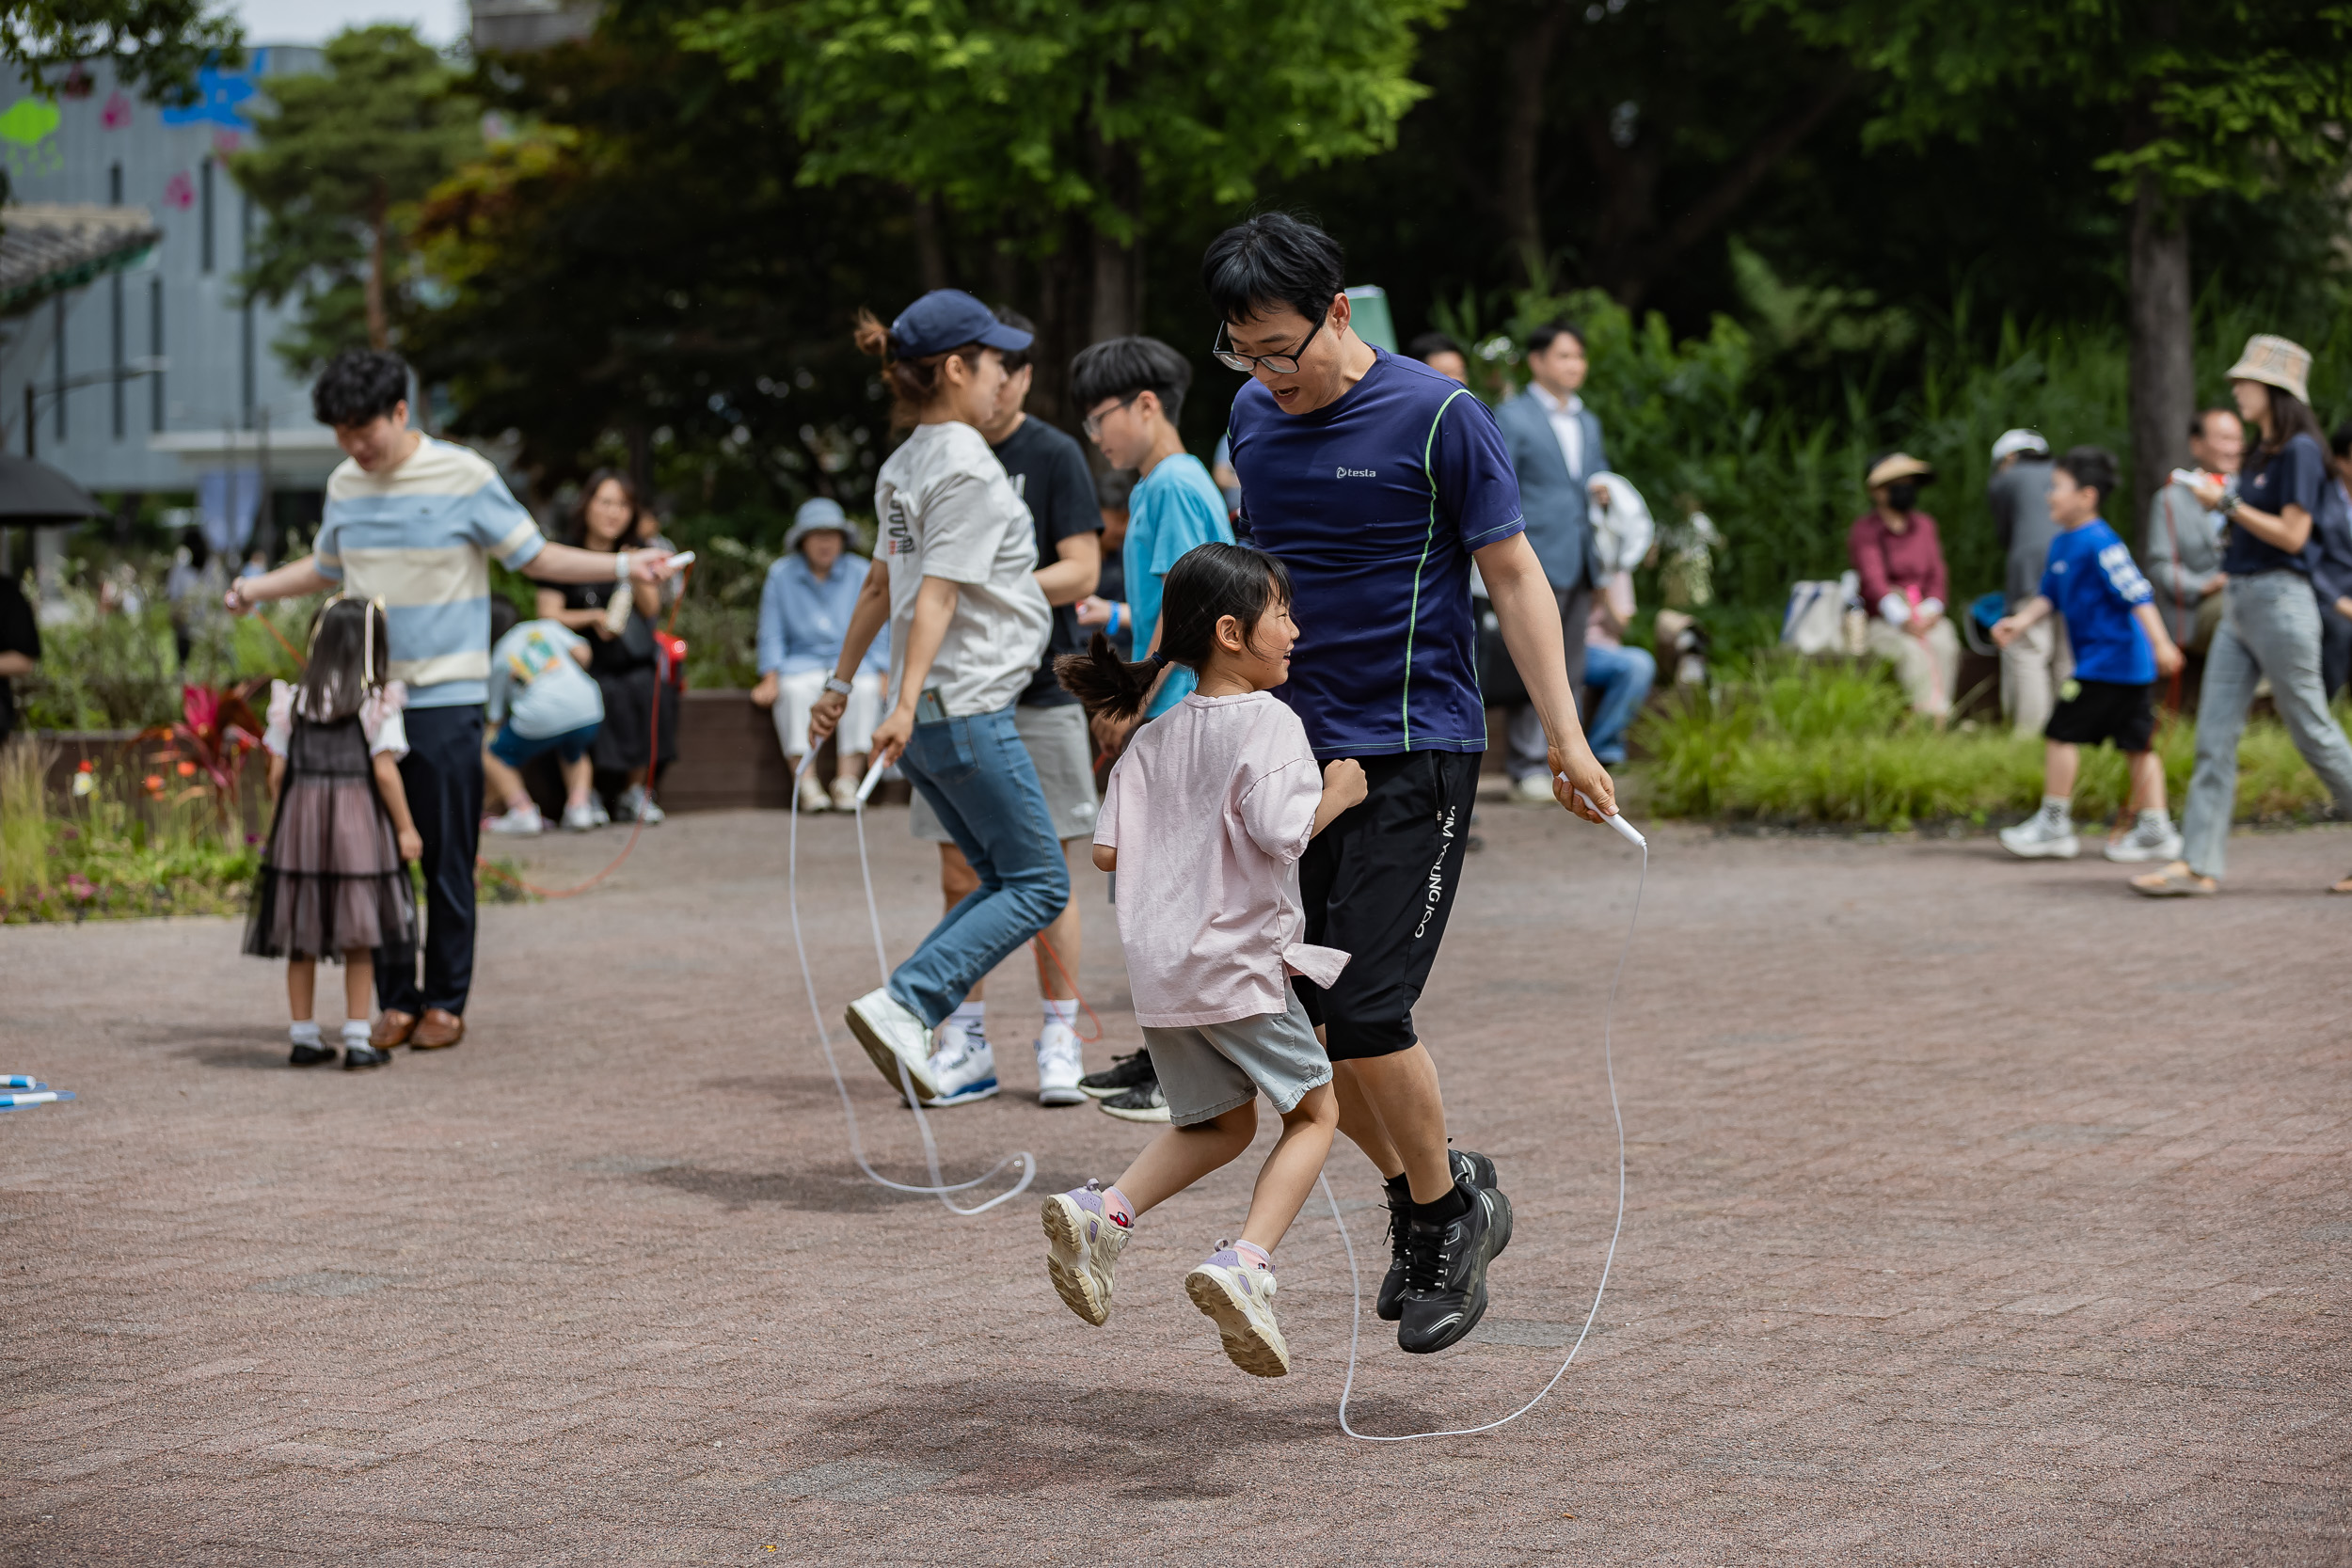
<point x="965" y="1068"/>
<point x="634" y="804"/>
<point x="845" y="795"/>
<point x="2152" y="838"/>
<point x="1083" y="1245"/>
<point x="2048" y="835"/>
<point x="579" y="818"/>
<point x="810" y="796"/>
<point x="519" y="819"/>
<point x="1534" y="790"/>
<point x="598" y="814"/>
<point x="1240" y="1297"/>
<point x="1061" y="1063"/>
<point x="894" y="1037"/>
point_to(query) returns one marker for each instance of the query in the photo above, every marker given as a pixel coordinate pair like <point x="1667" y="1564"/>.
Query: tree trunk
<point x="379" y="323"/>
<point x="1523" y="138"/>
<point x="2164" y="380"/>
<point x="1118" y="265"/>
<point x="930" y="254"/>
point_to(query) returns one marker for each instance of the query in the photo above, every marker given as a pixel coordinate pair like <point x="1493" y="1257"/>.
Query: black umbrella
<point x="32" y="492"/>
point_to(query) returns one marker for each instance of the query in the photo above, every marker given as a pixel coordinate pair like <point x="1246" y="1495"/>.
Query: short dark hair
<point x="1207" y="583"/>
<point x="1551" y="333"/>
<point x="2093" y="467"/>
<point x="357" y="386"/>
<point x="2197" y="421"/>
<point x="1122" y="366"/>
<point x="1430" y="343"/>
<point x="1271" y="261"/>
<point x="1016" y="359"/>
<point x="2340" y="442"/>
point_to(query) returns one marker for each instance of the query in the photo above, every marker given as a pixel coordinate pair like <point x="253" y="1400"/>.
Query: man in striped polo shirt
<point x="414" y="522"/>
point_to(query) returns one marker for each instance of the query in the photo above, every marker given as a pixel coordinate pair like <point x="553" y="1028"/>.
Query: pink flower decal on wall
<point x="117" y="114"/>
<point x="180" y="191"/>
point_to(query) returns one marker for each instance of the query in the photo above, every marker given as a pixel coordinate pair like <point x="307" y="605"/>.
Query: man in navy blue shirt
<point x="1376" y="481"/>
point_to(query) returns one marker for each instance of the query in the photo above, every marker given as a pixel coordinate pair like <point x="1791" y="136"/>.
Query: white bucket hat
<point x="2276" y="361"/>
<point x="2020" y="440"/>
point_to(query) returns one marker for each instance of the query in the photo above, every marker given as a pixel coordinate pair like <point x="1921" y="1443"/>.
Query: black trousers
<point x="442" y="774"/>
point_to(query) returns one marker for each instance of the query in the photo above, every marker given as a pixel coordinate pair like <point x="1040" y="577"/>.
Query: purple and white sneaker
<point x="1083" y="1244"/>
<point x="1240" y="1296"/>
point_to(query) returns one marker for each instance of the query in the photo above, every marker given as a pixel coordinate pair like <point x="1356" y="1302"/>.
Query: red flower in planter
<point x="217" y="728"/>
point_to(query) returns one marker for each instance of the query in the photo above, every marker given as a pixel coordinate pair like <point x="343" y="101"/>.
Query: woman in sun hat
<point x="1901" y="561"/>
<point x="804" y="611"/>
<point x="2269" y="619"/>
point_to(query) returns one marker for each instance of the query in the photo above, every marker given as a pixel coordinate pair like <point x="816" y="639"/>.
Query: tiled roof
<point x="47" y="247"/>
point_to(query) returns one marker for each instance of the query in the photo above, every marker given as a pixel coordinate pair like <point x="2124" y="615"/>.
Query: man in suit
<point x="1556" y="444"/>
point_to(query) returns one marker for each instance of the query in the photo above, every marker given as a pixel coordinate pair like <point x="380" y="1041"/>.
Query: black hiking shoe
<point x="1445" y="1292"/>
<point x="1479" y="1172"/>
<point x="1144" y="1102"/>
<point x="1124" y="1073"/>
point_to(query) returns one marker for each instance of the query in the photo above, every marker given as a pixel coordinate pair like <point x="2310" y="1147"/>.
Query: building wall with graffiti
<point x="223" y="407"/>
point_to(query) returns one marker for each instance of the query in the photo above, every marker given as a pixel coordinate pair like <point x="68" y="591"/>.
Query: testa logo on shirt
<point x="1346" y="472"/>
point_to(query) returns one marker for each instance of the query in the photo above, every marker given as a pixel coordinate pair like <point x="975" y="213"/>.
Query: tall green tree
<point x="1029" y="116"/>
<point x="2194" y="100"/>
<point x="344" y="155"/>
<point x="155" y="45"/>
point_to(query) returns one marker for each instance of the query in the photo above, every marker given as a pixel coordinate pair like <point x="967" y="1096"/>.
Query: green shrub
<point x="1801" y="742"/>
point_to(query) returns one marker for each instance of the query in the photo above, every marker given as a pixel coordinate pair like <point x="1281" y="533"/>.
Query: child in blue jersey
<point x="1132" y="391"/>
<point x="2119" y="645"/>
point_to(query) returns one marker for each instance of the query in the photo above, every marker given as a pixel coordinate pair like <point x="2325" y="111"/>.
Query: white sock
<point x="1063" y="1013"/>
<point x="1250" y="1252"/>
<point x="2058" y="806"/>
<point x="966" y="1022"/>
<point x="354" y="1031"/>
<point x="2151" y="818"/>
<point x="304" y="1032"/>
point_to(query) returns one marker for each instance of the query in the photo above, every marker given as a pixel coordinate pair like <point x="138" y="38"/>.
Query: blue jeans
<point x="2270" y="626"/>
<point x="1620" y="679"/>
<point x="978" y="776"/>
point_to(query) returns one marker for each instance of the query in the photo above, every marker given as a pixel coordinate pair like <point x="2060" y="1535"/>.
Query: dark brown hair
<point x="2290" y="417"/>
<point x="912" y="383"/>
<point x="1207" y="583"/>
<point x="575" y="525"/>
<point x="347" y="659"/>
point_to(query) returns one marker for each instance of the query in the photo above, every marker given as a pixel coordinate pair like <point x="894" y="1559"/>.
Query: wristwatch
<point x="834" y="683"/>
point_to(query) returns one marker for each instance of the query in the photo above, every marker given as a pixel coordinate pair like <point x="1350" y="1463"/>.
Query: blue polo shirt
<point x="1374" y="503"/>
<point x="2090" y="578"/>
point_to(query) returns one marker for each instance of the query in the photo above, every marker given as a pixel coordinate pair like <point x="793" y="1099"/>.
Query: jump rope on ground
<point x="943" y="1191"/>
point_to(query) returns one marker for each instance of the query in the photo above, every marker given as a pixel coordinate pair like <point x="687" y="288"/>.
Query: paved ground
<point x="1979" y="1213"/>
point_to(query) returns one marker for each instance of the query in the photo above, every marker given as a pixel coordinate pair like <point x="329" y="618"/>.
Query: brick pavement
<point x="1979" y="1213"/>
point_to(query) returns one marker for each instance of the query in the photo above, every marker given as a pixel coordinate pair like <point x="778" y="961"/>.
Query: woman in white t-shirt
<point x="953" y="576"/>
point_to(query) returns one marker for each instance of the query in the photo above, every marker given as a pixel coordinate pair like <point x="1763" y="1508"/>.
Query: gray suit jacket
<point x="1554" y="501"/>
<point x="2182" y="556"/>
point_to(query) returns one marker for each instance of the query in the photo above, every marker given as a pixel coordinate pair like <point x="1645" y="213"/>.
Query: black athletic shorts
<point x="2092" y="711"/>
<point x="1378" y="884"/>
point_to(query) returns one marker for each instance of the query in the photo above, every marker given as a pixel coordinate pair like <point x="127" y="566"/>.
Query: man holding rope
<point x="413" y="521"/>
<point x="1376" y="481"/>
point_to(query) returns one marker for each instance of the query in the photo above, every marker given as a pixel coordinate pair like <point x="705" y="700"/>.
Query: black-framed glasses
<point x="1280" y="364"/>
<point x="1092" y="423"/>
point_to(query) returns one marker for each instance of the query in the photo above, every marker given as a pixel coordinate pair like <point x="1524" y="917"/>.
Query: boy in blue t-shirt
<point x="1132" y="390"/>
<point x="2119" y="645"/>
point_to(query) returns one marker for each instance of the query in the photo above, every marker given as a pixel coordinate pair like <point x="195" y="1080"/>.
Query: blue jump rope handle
<point x="18" y="1081"/>
<point x="23" y="1101"/>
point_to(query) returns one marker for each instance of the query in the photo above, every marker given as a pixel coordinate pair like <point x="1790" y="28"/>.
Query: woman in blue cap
<point x="953" y="577"/>
<point x="803" y="611"/>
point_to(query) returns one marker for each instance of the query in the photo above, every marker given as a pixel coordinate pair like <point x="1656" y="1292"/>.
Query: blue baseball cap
<point x="949" y="318"/>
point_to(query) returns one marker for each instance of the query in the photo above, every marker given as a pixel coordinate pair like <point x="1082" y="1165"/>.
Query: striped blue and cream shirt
<point x="419" y="536"/>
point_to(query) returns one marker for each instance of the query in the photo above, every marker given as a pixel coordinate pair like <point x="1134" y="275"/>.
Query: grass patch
<point x="1798" y="742"/>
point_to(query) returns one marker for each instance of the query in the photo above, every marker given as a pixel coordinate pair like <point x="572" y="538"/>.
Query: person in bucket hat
<point x="2271" y="617"/>
<point x="804" y="611"/>
<point x="1901" y="561"/>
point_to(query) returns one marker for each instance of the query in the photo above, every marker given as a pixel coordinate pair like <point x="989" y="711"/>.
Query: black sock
<point x="1400" y="1192"/>
<point x="1445" y="1211"/>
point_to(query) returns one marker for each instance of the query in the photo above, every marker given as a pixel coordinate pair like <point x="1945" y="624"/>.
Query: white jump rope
<point x="1029" y="1161"/>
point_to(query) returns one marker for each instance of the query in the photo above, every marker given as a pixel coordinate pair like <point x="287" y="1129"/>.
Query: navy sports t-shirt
<point x="1374" y="504"/>
<point x="2090" y="578"/>
<point x="2292" y="476"/>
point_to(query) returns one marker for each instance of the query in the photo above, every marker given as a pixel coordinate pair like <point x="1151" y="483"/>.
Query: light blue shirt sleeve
<point x="770" y="651"/>
<point x="502" y="525"/>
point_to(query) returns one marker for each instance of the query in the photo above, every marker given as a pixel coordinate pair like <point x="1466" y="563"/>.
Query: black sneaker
<point x="1445" y="1290"/>
<point x="1144" y="1102"/>
<point x="1479" y="1172"/>
<point x="1124" y="1073"/>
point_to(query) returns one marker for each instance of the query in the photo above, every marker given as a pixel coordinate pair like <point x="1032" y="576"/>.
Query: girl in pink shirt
<point x="1204" y="818"/>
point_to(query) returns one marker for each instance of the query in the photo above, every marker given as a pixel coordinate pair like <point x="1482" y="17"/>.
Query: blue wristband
<point x="1111" y="630"/>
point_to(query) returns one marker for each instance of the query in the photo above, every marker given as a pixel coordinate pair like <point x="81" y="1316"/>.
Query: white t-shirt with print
<point x="949" y="511"/>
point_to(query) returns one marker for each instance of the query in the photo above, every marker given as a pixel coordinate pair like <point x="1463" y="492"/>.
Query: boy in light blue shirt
<point x="1133" y="390"/>
<point x="2119" y="645"/>
<point x="541" y="699"/>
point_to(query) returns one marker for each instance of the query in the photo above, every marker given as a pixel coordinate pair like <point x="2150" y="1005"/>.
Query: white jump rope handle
<point x="1626" y="831"/>
<point x="679" y="561"/>
<point x="866" y="785"/>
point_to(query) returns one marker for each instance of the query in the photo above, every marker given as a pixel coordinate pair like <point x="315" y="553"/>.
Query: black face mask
<point x="1900" y="494"/>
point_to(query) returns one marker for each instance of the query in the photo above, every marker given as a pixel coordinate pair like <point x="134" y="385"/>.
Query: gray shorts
<point x="1063" y="753"/>
<point x="1209" y="1068"/>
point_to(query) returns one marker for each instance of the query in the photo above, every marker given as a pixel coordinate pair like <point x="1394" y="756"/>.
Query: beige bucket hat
<point x="2276" y="362"/>
<point x="1895" y="465"/>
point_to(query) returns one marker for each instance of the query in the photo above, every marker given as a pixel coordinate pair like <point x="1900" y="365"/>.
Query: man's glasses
<point x="1092" y="423"/>
<point x="1279" y="364"/>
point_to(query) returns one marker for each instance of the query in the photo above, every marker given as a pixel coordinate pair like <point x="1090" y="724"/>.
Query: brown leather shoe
<point x="391" y="1029"/>
<point x="437" y="1030"/>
